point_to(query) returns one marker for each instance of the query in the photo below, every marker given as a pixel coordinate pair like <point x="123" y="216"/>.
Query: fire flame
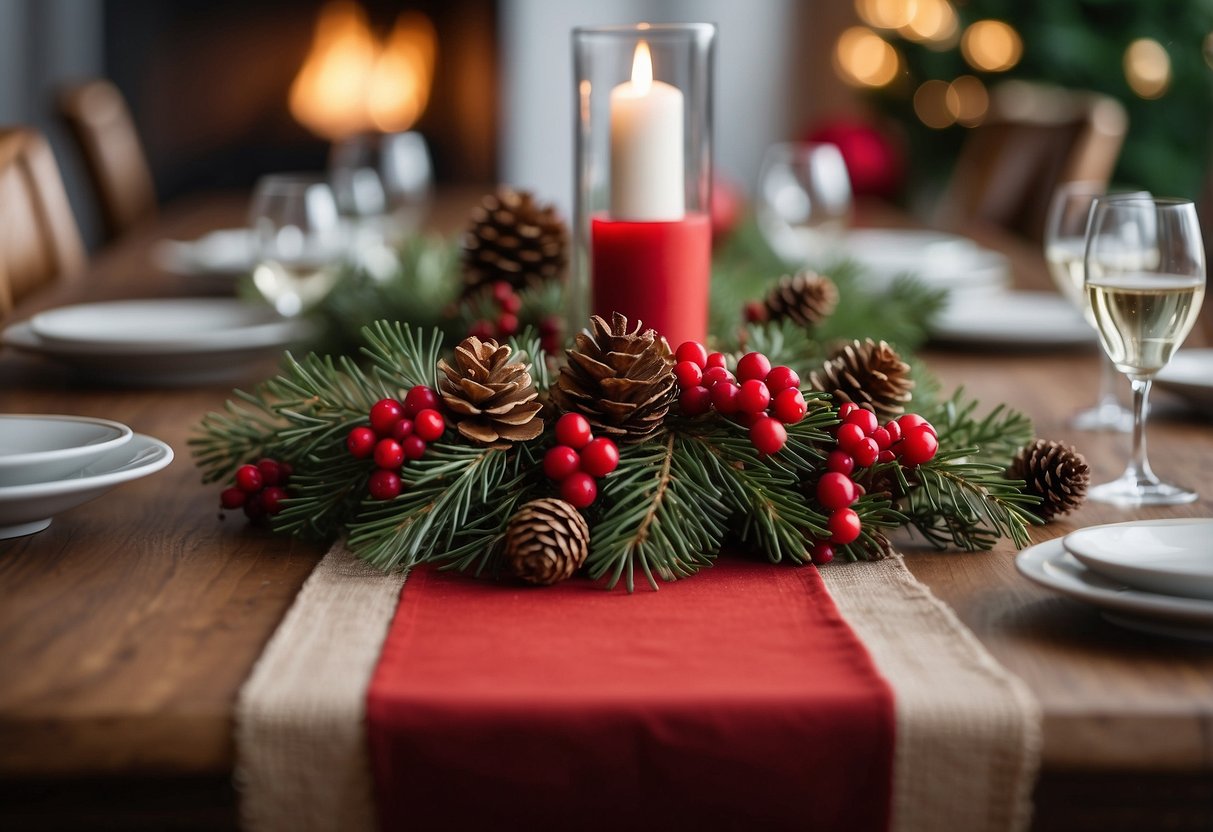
<point x="351" y="82"/>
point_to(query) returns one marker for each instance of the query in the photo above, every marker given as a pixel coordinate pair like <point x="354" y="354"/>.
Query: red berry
<point x="768" y="435"/>
<point x="841" y="462"/>
<point x="781" y="378"/>
<point x="385" y="414"/>
<point x="866" y="452"/>
<point x="753" y="365"/>
<point x="507" y="323"/>
<point x="550" y="343"/>
<point x="849" y="435"/>
<point x="886" y="456"/>
<point x="717" y="359"/>
<point x="688" y="373"/>
<point x="714" y="375"/>
<point x="882" y="437"/>
<point x="511" y="304"/>
<point x="482" y="330"/>
<point x="913" y="420"/>
<point x="579" y="489"/>
<point x="866" y="419"/>
<point x="403" y="429"/>
<point x="253" y="509"/>
<point x="789" y="406"/>
<point x="600" y="457"/>
<point x="573" y="429"/>
<point x="747" y="420"/>
<point x="559" y="462"/>
<point x="846" y="408"/>
<point x="414" y="447"/>
<point x="725" y="396"/>
<point x="844" y="526"/>
<point x="429" y="424"/>
<point x="271" y="471"/>
<point x="384" y="485"/>
<point x="550" y="326"/>
<point x="822" y="553"/>
<point x="502" y="291"/>
<point x="836" y="490"/>
<point x="694" y="352"/>
<point x="419" y="398"/>
<point x="695" y="401"/>
<point x="389" y="454"/>
<point x="285" y="471"/>
<point x="232" y="497"/>
<point x="271" y="499"/>
<point x="918" y="446"/>
<point x="755" y="312"/>
<point x="894" y="430"/>
<point x="754" y="396"/>
<point x="361" y="442"/>
<point x="248" y="479"/>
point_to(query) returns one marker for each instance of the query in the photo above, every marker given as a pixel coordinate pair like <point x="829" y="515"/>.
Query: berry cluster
<point x="578" y="459"/>
<point x="863" y="442"/>
<point x="260" y="488"/>
<point x="508" y="303"/>
<point x="760" y="396"/>
<point x="398" y="433"/>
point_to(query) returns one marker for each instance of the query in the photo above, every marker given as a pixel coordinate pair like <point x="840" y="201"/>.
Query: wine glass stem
<point x="1139" y="465"/>
<point x="1108" y="375"/>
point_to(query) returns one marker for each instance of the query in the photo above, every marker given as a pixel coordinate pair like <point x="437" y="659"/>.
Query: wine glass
<point x="301" y="243"/>
<point x="1145" y="280"/>
<point x="1065" y="244"/>
<point x="382" y="182"/>
<point x="804" y="199"/>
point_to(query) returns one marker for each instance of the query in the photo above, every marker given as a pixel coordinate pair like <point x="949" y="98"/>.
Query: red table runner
<point x="737" y="699"/>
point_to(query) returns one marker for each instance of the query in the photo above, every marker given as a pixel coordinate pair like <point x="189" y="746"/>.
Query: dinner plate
<point x="25" y="509"/>
<point x="1023" y="320"/>
<point x="40" y="447"/>
<point x="1189" y="374"/>
<point x="938" y="260"/>
<point x="1174" y="557"/>
<point x="1051" y="566"/>
<point x="227" y="252"/>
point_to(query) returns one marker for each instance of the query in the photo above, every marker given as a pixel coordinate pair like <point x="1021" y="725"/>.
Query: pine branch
<point x="996" y="436"/>
<point x="784" y="342"/>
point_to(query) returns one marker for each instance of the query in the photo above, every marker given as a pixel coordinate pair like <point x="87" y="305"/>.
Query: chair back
<point x="100" y="122"/>
<point x="39" y="239"/>
<point x="1035" y="138"/>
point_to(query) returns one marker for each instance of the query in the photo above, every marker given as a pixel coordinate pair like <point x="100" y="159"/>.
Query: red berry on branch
<point x="781" y="378"/>
<point x="579" y="489"/>
<point x="285" y="472"/>
<point x="715" y="375"/>
<point x="754" y="396"/>
<point x="695" y="401"/>
<point x="849" y="435"/>
<point x="717" y="359"/>
<point x="866" y="420"/>
<point x="502" y="290"/>
<point x="550" y="326"/>
<point x="248" y="479"/>
<point x="725" y="395"/>
<point x="768" y="435"/>
<point x="511" y="304"/>
<point x="836" y="490"/>
<point x="483" y="330"/>
<point x="886" y="456"/>
<point x="694" y="352"/>
<point x="429" y="424"/>
<point x="361" y="442"/>
<point x="841" y="462"/>
<point x="385" y="413"/>
<point x="404" y="428"/>
<point x="755" y="312"/>
<point x="600" y="457"/>
<point x="844" y="526"/>
<point x="231" y="498"/>
<point x="414" y="447"/>
<point x="866" y="452"/>
<point x="271" y="471"/>
<point x="271" y="499"/>
<point x="507" y="323"/>
<point x="919" y="445"/>
<point x="882" y="438"/>
<point x="894" y="430"/>
<point x="573" y="429"/>
<point x="384" y="485"/>
<point x="753" y="365"/>
<point x="688" y="373"/>
<point x="913" y="420"/>
<point x="846" y="409"/>
<point x="560" y="461"/>
<point x="253" y="509"/>
<point x="420" y="398"/>
<point x="790" y="406"/>
<point x="389" y="454"/>
<point x="822" y="553"/>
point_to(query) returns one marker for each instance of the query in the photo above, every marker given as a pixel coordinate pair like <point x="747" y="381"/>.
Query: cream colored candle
<point x="646" y="146"/>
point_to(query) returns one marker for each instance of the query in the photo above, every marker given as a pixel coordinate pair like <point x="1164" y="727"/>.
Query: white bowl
<point x="1174" y="557"/>
<point x="41" y="448"/>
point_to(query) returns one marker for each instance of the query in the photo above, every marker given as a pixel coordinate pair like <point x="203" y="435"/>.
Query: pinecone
<point x="546" y="541"/>
<point x="492" y="400"/>
<point x="806" y="298"/>
<point x="1056" y="473"/>
<point x="870" y="374"/>
<point x="621" y="381"/>
<point x="513" y="238"/>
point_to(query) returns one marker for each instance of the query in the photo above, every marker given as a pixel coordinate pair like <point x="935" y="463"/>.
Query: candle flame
<point x="642" y="68"/>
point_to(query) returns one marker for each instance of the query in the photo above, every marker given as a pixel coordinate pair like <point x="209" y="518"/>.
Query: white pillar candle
<point x="646" y="146"/>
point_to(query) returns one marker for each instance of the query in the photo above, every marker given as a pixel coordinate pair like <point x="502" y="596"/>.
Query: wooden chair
<point x="39" y="240"/>
<point x="97" y="117"/>
<point x="1034" y="138"/>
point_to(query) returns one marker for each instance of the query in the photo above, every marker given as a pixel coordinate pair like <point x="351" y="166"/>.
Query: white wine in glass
<point x="1145" y="282"/>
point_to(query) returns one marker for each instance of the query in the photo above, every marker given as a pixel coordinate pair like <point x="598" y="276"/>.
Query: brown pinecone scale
<point x="869" y="373"/>
<point x="1056" y="473"/>
<point x="546" y="541"/>
<point x="491" y="398"/>
<point x="620" y="379"/>
<point x="805" y="298"/>
<point x="515" y="238"/>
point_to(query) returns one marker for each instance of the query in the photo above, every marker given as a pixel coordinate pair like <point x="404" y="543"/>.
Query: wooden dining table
<point x="129" y="625"/>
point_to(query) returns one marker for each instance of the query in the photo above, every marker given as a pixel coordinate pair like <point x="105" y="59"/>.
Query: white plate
<point x="1051" y="566"/>
<point x="1012" y="319"/>
<point x="1189" y="374"/>
<point x="1174" y="557"/>
<point x="170" y="325"/>
<point x="37" y="448"/>
<point x="25" y="509"/>
<point x="227" y="252"/>
<point x="938" y="260"/>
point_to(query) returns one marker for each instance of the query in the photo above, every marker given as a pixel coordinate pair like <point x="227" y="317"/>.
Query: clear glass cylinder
<point x="643" y="176"/>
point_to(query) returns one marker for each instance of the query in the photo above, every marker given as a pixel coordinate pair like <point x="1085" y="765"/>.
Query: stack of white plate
<point x="49" y="464"/>
<point x="1150" y="575"/>
<point x="935" y="258"/>
<point x="175" y="341"/>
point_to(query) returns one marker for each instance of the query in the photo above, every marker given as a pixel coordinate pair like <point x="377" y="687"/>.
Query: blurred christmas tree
<point x="1156" y="58"/>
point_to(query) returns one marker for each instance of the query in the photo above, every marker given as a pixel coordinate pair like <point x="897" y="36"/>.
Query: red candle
<point x="656" y="272"/>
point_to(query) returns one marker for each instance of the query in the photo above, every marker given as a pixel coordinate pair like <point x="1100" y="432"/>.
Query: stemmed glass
<point x="382" y="182"/>
<point x="804" y="199"/>
<point x="301" y="243"/>
<point x="1145" y="280"/>
<point x="1065" y="244"/>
